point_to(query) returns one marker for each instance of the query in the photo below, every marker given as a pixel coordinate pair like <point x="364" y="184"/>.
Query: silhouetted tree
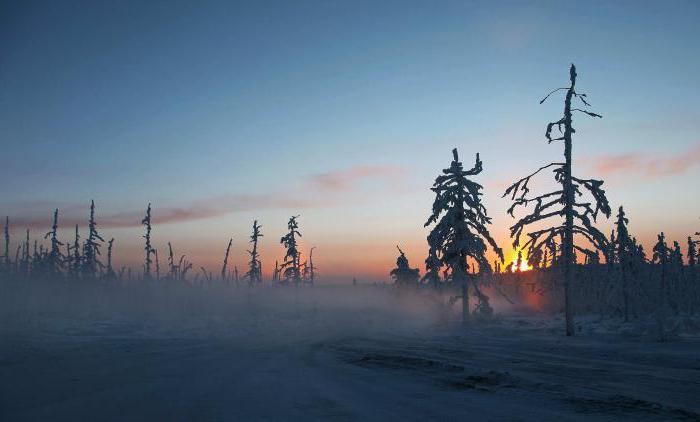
<point x="26" y="260"/>
<point x="662" y="256"/>
<point x="91" y="248"/>
<point x="172" y="269"/>
<point x="276" y="273"/>
<point x="290" y="268"/>
<point x="254" y="274"/>
<point x="147" y="248"/>
<point x="310" y="268"/>
<point x="432" y="269"/>
<point x="692" y="252"/>
<point x="460" y="228"/>
<point x="155" y="256"/>
<point x="76" y="263"/>
<point x="224" y="270"/>
<point x="403" y="274"/>
<point x="7" y="243"/>
<point x="54" y="259"/>
<point x="110" y="270"/>
<point x="676" y="255"/>
<point x="562" y="202"/>
<point x="536" y="260"/>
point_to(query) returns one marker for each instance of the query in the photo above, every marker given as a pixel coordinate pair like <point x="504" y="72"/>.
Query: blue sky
<point x="344" y="112"/>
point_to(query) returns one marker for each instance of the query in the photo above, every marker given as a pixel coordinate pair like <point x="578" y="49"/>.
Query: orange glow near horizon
<point x="523" y="264"/>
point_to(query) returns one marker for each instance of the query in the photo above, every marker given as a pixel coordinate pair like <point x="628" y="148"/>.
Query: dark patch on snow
<point x="405" y="362"/>
<point x="486" y="381"/>
<point x="620" y="404"/>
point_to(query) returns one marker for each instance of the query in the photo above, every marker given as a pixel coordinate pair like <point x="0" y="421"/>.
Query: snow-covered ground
<point x="345" y="353"/>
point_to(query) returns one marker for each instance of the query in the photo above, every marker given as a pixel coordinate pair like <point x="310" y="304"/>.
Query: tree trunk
<point x="568" y="209"/>
<point x="465" y="303"/>
<point x="625" y="294"/>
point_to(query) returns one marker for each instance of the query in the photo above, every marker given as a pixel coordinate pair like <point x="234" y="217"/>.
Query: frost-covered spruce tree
<point x="91" y="248"/>
<point x="578" y="214"/>
<point x="54" y="259"/>
<point x="662" y="257"/>
<point x="432" y="269"/>
<point x="148" y="248"/>
<point x="625" y="254"/>
<point x="460" y="231"/>
<point x="692" y="253"/>
<point x="403" y="274"/>
<point x="534" y="260"/>
<point x="290" y="268"/>
<point x="254" y="274"/>
<point x="676" y="255"/>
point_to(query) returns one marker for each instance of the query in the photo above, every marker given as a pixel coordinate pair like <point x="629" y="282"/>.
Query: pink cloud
<point x="648" y="164"/>
<point x="343" y="180"/>
<point x="318" y="191"/>
<point x="70" y="215"/>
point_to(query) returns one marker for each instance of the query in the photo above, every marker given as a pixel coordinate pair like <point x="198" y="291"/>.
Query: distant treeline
<point x="86" y="259"/>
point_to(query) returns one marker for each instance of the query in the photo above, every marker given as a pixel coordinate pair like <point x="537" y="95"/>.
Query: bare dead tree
<point x="224" y="272"/>
<point x="578" y="215"/>
<point x="110" y="270"/>
<point x="312" y="267"/>
<point x="7" y="244"/>
<point x="155" y="256"/>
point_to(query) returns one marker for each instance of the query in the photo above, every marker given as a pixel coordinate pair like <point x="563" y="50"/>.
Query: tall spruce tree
<point x="433" y="265"/>
<point x="91" y="248"/>
<point x="578" y="215"/>
<point x="54" y="260"/>
<point x="291" y="267"/>
<point x="692" y="253"/>
<point x="625" y="254"/>
<point x="148" y="248"/>
<point x="403" y="274"/>
<point x="460" y="231"/>
<point x="76" y="261"/>
<point x="254" y="274"/>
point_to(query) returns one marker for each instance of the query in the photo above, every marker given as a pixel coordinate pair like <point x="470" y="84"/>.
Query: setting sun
<point x="523" y="262"/>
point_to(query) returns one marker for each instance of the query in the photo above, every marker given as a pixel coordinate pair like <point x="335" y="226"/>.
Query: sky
<point x="222" y="112"/>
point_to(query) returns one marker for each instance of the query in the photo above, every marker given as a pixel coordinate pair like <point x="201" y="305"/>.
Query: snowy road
<point x="493" y="373"/>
